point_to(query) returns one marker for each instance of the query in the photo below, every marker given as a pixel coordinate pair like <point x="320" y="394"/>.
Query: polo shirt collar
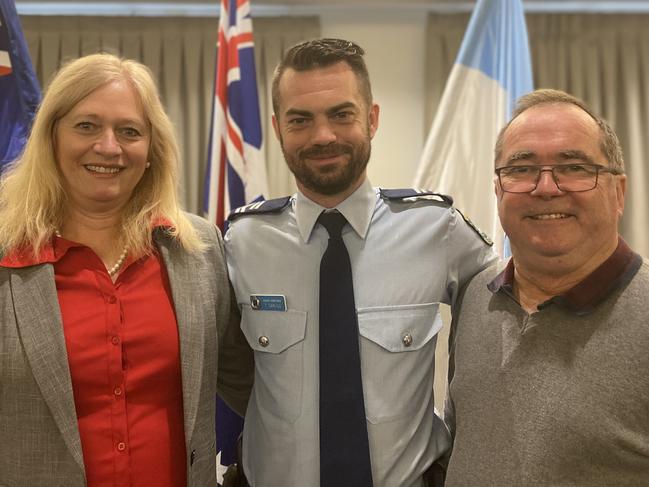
<point x="357" y="209"/>
<point x="614" y="273"/>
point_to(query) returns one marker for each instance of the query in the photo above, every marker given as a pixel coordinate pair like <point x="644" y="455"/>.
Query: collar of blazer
<point x="40" y="326"/>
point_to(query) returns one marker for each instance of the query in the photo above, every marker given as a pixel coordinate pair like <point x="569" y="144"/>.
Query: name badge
<point x="268" y="302"/>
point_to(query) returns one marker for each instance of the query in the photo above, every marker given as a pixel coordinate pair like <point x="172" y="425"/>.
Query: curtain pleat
<point x="181" y="53"/>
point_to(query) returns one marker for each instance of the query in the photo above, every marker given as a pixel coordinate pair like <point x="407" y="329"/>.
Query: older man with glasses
<point x="550" y="351"/>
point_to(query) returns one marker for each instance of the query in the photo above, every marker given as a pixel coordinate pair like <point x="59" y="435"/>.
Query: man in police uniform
<point x="409" y="252"/>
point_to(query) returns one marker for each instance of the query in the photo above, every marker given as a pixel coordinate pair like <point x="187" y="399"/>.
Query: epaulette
<point x="261" y="207"/>
<point x="485" y="238"/>
<point x="414" y="194"/>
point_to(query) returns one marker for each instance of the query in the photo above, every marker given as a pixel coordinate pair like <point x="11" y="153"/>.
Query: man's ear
<point x="276" y="127"/>
<point x="373" y="119"/>
<point x="497" y="189"/>
<point x="620" y="190"/>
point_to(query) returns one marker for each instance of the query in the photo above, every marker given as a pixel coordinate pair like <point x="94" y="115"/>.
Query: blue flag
<point x="492" y="70"/>
<point x="236" y="172"/>
<point x="19" y="89"/>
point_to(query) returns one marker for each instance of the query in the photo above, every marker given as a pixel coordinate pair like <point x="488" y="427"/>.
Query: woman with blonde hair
<point x="114" y="304"/>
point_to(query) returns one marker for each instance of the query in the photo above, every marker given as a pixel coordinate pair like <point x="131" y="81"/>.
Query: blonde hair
<point x="32" y="199"/>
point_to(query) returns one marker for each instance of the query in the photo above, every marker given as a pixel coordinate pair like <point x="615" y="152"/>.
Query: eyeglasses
<point x="567" y="177"/>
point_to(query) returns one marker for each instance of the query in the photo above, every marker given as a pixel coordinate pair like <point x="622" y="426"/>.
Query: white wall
<point x="394" y="52"/>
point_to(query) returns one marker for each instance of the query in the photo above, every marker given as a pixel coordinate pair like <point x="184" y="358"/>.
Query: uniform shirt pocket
<point x="277" y="337"/>
<point x="397" y="353"/>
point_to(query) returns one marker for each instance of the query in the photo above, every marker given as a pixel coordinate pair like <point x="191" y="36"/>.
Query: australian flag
<point x="236" y="170"/>
<point x="19" y="88"/>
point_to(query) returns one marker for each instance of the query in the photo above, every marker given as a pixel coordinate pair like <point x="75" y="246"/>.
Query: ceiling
<point x="49" y="7"/>
<point x="621" y="4"/>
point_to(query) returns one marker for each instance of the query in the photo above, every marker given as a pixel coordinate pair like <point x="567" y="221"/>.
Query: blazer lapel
<point x="39" y="322"/>
<point x="182" y="280"/>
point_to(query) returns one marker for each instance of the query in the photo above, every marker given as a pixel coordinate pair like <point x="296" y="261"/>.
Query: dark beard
<point x="330" y="180"/>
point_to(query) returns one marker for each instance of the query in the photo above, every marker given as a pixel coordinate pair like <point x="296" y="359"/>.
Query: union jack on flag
<point x="19" y="89"/>
<point x="5" y="60"/>
<point x="236" y="172"/>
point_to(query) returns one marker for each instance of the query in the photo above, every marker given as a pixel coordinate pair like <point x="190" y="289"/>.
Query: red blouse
<point x="124" y="356"/>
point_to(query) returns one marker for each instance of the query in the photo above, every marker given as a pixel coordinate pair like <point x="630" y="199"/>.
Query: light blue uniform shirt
<point x="407" y="257"/>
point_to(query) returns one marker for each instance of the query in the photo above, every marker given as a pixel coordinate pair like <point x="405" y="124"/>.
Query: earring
<point x="148" y="165"/>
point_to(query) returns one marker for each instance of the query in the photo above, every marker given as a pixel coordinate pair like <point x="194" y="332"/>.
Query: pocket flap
<point x="400" y="328"/>
<point x="272" y="331"/>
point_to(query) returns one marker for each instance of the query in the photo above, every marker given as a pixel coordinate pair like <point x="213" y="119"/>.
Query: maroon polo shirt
<point x="613" y="273"/>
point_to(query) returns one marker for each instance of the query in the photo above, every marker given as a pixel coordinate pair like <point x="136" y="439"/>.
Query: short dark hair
<point x="610" y="144"/>
<point x="321" y="53"/>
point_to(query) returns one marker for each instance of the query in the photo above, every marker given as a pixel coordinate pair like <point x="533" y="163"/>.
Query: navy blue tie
<point x="344" y="448"/>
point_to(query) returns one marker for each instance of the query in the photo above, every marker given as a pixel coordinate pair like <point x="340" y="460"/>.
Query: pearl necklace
<point x="112" y="272"/>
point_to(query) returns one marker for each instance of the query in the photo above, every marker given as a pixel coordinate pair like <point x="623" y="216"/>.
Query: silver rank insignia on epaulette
<point x="413" y="194"/>
<point x="480" y="233"/>
<point x="261" y="207"/>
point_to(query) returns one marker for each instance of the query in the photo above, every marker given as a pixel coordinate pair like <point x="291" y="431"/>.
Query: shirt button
<point x="121" y="446"/>
<point x="112" y="299"/>
<point x="117" y="391"/>
<point x="114" y="340"/>
<point x="264" y="341"/>
<point x="407" y="340"/>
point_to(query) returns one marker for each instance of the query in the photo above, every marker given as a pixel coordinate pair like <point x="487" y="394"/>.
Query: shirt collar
<point x="50" y="252"/>
<point x="357" y="209"/>
<point x="612" y="274"/>
<point x="55" y="249"/>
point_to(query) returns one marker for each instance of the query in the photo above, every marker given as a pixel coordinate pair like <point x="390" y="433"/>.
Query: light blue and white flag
<point x="492" y="70"/>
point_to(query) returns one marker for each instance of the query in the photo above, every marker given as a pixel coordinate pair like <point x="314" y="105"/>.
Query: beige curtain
<point x="603" y="59"/>
<point x="181" y="52"/>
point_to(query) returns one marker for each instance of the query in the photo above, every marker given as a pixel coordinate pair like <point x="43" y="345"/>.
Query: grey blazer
<point x="39" y="437"/>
